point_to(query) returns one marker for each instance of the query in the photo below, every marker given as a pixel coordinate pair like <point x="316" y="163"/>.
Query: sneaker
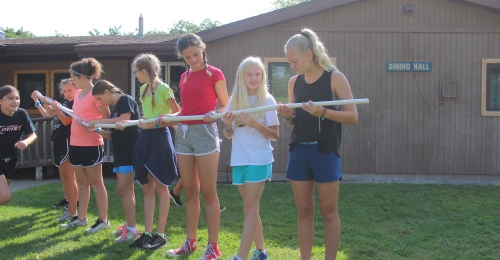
<point x="141" y="241"/>
<point x="65" y="216"/>
<point x="156" y="242"/>
<point x="176" y="198"/>
<point x="118" y="232"/>
<point x="259" y="255"/>
<point x="222" y="208"/>
<point x="74" y="222"/>
<point x="127" y="236"/>
<point x="211" y="253"/>
<point x="98" y="225"/>
<point x="61" y="203"/>
<point x="186" y="248"/>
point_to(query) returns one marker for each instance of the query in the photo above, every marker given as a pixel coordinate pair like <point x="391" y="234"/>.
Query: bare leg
<point x="328" y="201"/>
<point x="5" y="193"/>
<point x="148" y="190"/>
<point x="191" y="183"/>
<point x="164" y="206"/>
<point x="251" y="194"/>
<point x="83" y="191"/>
<point x="70" y="187"/>
<point x="94" y="174"/>
<point x="125" y="188"/>
<point x="207" y="173"/>
<point x="178" y="187"/>
<point x="303" y="191"/>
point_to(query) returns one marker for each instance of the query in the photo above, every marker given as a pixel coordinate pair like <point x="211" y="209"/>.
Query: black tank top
<point x="306" y="126"/>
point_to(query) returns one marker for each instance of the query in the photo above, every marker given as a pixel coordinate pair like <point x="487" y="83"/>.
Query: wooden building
<point x="431" y="69"/>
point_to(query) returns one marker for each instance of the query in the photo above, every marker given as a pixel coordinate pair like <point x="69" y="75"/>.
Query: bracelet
<point x="228" y="131"/>
<point x="37" y="103"/>
<point x="324" y="113"/>
<point x="287" y="118"/>
<point x="97" y="130"/>
<point x="157" y="125"/>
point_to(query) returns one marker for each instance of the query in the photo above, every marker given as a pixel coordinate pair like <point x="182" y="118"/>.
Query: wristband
<point x="37" y="103"/>
<point x="157" y="125"/>
<point x="228" y="130"/>
<point x="97" y="130"/>
<point x="324" y="113"/>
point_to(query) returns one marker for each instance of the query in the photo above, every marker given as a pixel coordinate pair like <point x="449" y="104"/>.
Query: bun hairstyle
<point x="152" y="65"/>
<point x="308" y="40"/>
<point x="103" y="85"/>
<point x="87" y="67"/>
<point x="189" y="40"/>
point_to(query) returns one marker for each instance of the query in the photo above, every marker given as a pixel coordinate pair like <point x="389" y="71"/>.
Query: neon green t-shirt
<point x="162" y="94"/>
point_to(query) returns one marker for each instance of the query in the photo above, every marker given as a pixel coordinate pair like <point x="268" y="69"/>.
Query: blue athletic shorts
<point x="306" y="162"/>
<point x="123" y="169"/>
<point x="252" y="173"/>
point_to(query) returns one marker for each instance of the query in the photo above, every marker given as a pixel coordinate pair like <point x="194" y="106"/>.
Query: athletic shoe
<point x="222" y="208"/>
<point x="141" y="241"/>
<point x="118" y="232"/>
<point x="74" y="222"/>
<point x="186" y="248"/>
<point x="61" y="203"/>
<point x="127" y="236"/>
<point x="98" y="225"/>
<point x="259" y="255"/>
<point x="211" y="253"/>
<point x="65" y="216"/>
<point x="176" y="198"/>
<point x="156" y="242"/>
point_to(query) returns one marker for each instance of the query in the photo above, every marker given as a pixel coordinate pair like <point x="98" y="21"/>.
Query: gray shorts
<point x="197" y="139"/>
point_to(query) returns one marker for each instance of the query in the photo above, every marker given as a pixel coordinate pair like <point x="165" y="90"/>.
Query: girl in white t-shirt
<point x="252" y="153"/>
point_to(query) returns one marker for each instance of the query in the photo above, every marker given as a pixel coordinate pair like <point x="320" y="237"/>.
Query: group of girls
<point x="314" y="151"/>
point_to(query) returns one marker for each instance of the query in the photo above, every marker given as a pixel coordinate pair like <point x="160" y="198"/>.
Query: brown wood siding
<point x="116" y="71"/>
<point x="398" y="133"/>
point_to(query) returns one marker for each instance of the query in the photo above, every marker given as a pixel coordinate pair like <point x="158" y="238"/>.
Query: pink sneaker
<point x="211" y="253"/>
<point x="118" y="232"/>
<point x="127" y="236"/>
<point x="186" y="248"/>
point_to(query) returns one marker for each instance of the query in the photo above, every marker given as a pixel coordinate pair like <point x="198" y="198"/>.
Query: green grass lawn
<point x="379" y="221"/>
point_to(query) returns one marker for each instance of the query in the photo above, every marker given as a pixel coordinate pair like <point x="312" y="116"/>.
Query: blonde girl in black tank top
<point x="308" y="57"/>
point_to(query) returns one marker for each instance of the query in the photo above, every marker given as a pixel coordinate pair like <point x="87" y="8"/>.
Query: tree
<point x="187" y="26"/>
<point x="280" y="4"/>
<point x="112" y="31"/>
<point x="58" y="34"/>
<point x="154" y="32"/>
<point x="21" y="33"/>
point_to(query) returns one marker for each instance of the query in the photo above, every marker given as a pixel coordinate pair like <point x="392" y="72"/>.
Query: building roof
<point x="113" y="46"/>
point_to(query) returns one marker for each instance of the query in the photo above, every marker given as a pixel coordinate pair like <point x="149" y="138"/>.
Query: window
<point x="490" y="101"/>
<point x="27" y="81"/>
<point x="279" y="73"/>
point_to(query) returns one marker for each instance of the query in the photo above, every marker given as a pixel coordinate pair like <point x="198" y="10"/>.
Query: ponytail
<point x="308" y="40"/>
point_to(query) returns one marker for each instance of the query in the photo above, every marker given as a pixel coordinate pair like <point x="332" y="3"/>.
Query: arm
<point x="105" y="134"/>
<point x="46" y="111"/>
<point x="122" y="117"/>
<point x="341" y="88"/>
<point x="221" y="91"/>
<point x="271" y="132"/>
<point x="288" y="113"/>
<point x="65" y="120"/>
<point x="104" y="111"/>
<point x="21" y="145"/>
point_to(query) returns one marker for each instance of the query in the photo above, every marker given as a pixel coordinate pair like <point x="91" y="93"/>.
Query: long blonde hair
<point x="308" y="40"/>
<point x="239" y="97"/>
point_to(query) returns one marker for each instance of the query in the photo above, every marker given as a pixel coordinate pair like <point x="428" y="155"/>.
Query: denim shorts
<point x="252" y="173"/>
<point x="197" y="139"/>
<point x="306" y="162"/>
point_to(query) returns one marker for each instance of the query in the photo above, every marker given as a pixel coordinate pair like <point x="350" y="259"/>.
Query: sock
<point x="161" y="235"/>
<point x="133" y="229"/>
<point x="148" y="233"/>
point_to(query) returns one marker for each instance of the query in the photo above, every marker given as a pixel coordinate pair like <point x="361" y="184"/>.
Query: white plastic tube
<point x="237" y="112"/>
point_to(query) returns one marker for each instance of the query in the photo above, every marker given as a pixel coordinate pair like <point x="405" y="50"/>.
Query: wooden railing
<point x="41" y="154"/>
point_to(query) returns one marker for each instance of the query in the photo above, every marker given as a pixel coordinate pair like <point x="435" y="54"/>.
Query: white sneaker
<point x="98" y="225"/>
<point x="74" y="222"/>
<point x="65" y="216"/>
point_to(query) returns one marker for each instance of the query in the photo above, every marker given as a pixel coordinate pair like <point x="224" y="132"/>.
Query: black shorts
<point x="85" y="156"/>
<point x="7" y="168"/>
<point x="61" y="151"/>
